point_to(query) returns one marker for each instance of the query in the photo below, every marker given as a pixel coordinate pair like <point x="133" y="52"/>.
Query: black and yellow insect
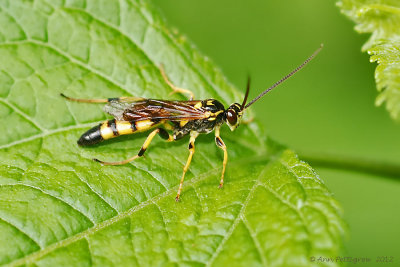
<point x="192" y="117"/>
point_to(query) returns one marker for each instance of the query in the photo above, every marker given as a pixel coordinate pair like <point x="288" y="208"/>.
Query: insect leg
<point x="173" y="87"/>
<point x="105" y="100"/>
<point x="163" y="134"/>
<point x="193" y="136"/>
<point x="220" y="143"/>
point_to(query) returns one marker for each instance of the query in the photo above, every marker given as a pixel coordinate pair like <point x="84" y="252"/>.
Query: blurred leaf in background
<point x="382" y="20"/>
<point x="58" y="207"/>
<point x="327" y="109"/>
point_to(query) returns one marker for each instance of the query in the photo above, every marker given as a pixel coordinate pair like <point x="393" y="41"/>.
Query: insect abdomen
<point x="112" y="128"/>
<point x="91" y="137"/>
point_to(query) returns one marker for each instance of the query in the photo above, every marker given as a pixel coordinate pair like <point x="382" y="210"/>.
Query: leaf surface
<point x="382" y="20"/>
<point x="58" y="207"/>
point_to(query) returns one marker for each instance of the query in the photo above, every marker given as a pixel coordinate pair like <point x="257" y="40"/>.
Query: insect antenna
<point x="247" y="92"/>
<point x="283" y="79"/>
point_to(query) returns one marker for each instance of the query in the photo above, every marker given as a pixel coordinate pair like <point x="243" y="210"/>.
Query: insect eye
<point x="231" y="117"/>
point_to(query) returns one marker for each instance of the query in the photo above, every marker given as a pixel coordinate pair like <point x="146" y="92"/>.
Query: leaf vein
<point x="20" y="230"/>
<point x="94" y="192"/>
<point x="22" y="114"/>
<point x="71" y="59"/>
<point x="238" y="218"/>
<point x="47" y="133"/>
<point x="255" y="240"/>
<point x="50" y="195"/>
<point x="67" y="241"/>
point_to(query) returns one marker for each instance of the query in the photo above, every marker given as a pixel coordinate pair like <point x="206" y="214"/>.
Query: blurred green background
<point x="327" y="108"/>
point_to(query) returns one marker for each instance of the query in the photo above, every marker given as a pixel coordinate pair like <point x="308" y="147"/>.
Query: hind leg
<point x="163" y="133"/>
<point x="104" y="100"/>
<point x="173" y="87"/>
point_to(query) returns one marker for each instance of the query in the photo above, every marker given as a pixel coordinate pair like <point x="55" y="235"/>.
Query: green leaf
<point x="58" y="207"/>
<point x="382" y="19"/>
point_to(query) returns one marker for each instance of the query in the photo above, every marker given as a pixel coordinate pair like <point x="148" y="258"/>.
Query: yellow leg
<point x="193" y="136"/>
<point x="173" y="87"/>
<point x="220" y="143"/>
<point x="105" y="100"/>
<point x="164" y="134"/>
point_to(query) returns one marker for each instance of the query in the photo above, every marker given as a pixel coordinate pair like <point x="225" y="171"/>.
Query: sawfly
<point x="171" y="119"/>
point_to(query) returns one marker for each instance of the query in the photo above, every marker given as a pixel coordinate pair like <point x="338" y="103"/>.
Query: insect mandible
<point x="192" y="117"/>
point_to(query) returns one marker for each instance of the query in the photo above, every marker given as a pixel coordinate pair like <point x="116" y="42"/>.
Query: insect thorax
<point x="215" y="115"/>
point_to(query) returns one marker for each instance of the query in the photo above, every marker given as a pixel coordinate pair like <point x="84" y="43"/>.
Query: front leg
<point x="193" y="136"/>
<point x="220" y="143"/>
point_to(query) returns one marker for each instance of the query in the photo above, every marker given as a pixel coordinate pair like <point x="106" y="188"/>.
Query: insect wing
<point x="155" y="109"/>
<point x="162" y="109"/>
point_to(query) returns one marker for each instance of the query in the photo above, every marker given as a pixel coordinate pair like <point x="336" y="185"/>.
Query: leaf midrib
<point x="33" y="256"/>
